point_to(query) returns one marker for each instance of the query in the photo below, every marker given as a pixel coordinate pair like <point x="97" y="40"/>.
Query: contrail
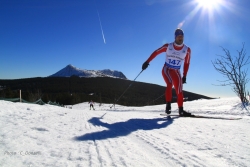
<point x="100" y="23"/>
<point x="101" y="28"/>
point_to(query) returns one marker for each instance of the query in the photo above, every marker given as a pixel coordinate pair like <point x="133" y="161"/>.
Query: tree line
<point x="73" y="90"/>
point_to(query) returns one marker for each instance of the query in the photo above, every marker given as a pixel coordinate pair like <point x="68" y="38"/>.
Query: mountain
<point x="70" y="70"/>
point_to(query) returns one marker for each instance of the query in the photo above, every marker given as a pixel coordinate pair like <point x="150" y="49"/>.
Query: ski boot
<point x="168" y="108"/>
<point x="183" y="113"/>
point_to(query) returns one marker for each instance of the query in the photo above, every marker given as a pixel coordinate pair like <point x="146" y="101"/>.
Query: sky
<point x="39" y="38"/>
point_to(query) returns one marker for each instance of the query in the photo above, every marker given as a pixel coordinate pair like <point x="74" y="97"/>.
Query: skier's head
<point x="179" y="36"/>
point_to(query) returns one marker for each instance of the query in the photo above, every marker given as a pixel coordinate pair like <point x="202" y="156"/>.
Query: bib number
<point x="174" y="62"/>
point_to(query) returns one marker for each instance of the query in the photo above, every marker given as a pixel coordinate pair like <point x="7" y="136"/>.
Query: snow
<point x="34" y="135"/>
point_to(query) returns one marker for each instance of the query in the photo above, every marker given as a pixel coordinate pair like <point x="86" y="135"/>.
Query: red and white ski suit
<point x="175" y="55"/>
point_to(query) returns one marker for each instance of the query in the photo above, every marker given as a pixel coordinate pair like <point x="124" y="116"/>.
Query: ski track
<point x="118" y="139"/>
<point x="100" y="152"/>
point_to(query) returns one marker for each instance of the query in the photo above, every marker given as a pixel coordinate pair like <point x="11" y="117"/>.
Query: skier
<point x="91" y="104"/>
<point x="176" y="53"/>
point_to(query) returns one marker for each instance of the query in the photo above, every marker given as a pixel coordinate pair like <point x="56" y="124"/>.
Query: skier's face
<point x="179" y="39"/>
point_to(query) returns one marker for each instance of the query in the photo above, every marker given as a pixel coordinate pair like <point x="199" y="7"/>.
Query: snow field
<point x="34" y="135"/>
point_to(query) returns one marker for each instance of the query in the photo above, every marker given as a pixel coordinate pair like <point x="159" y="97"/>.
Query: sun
<point x="207" y="11"/>
<point x="208" y="4"/>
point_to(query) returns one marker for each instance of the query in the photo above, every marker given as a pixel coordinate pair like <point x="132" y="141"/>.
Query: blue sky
<point x="38" y="38"/>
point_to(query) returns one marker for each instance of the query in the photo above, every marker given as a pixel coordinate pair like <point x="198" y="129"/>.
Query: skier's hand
<point x="184" y="79"/>
<point x="145" y="65"/>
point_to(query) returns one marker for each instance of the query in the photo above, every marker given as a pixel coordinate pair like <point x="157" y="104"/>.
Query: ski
<point x="200" y="116"/>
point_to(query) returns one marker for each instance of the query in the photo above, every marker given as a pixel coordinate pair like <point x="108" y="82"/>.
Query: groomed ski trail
<point x="158" y="147"/>
<point x="126" y="137"/>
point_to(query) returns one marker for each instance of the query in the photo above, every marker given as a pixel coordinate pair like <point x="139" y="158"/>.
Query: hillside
<point x="72" y="90"/>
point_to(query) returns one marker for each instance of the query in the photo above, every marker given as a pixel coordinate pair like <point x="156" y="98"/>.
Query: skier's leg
<point x="178" y="88"/>
<point x="168" y="80"/>
<point x="177" y="81"/>
<point x="168" y="92"/>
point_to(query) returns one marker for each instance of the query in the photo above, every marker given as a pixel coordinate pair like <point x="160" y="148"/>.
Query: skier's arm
<point x="187" y="62"/>
<point x="157" y="52"/>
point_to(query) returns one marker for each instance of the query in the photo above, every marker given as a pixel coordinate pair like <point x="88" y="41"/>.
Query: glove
<point x="184" y="79"/>
<point x="145" y="65"/>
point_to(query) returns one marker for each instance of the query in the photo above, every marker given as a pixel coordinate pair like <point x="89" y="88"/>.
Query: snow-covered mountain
<point x="70" y="70"/>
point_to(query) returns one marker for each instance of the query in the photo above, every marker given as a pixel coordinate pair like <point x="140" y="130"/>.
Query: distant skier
<point x="176" y="53"/>
<point x="91" y="105"/>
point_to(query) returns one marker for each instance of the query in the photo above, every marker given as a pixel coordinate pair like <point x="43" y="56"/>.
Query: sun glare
<point x="207" y="12"/>
<point x="209" y="4"/>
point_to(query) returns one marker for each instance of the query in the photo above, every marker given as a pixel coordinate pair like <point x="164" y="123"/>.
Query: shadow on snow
<point x="123" y="128"/>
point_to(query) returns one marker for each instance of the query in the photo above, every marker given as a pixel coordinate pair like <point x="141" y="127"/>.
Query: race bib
<point x="174" y="58"/>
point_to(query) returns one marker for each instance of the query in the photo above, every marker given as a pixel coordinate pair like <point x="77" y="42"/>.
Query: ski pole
<point x="156" y="98"/>
<point x="103" y="116"/>
<point x="126" y="89"/>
